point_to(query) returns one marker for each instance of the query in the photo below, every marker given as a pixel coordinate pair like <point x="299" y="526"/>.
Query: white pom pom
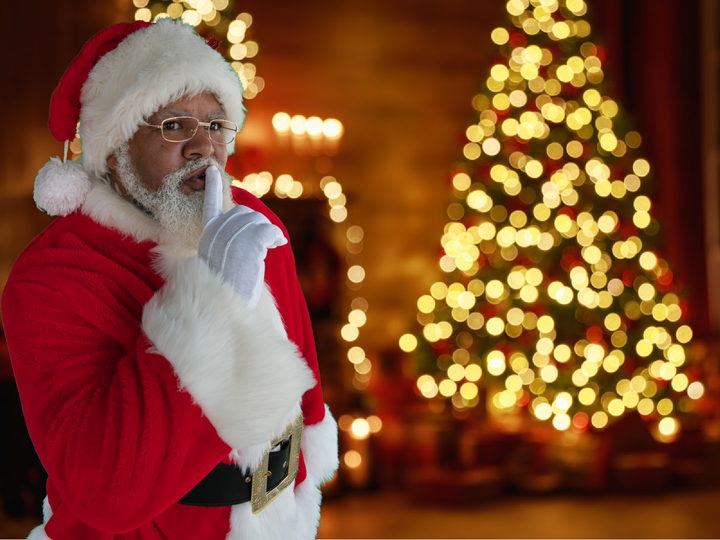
<point x="61" y="188"/>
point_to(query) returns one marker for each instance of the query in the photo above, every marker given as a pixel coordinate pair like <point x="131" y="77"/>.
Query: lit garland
<point x="285" y="186"/>
<point x="549" y="242"/>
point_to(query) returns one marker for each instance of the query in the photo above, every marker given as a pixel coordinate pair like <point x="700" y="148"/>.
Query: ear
<point x="112" y="161"/>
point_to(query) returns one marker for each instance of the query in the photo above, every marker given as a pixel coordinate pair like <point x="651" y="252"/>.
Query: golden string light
<point x="555" y="299"/>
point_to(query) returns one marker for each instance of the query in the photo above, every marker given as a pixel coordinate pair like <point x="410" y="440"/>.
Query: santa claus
<point x="159" y="338"/>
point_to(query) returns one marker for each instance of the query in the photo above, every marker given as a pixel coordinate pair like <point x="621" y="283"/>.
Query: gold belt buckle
<point x="260" y="497"/>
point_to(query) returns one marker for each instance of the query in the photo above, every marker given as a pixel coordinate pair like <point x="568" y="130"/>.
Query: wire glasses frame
<point x="183" y="128"/>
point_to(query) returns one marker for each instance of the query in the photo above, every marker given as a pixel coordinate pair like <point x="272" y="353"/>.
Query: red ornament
<point x="518" y="39"/>
<point x="594" y="334"/>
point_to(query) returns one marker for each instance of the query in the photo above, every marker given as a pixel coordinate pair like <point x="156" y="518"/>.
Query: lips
<point x="197" y="179"/>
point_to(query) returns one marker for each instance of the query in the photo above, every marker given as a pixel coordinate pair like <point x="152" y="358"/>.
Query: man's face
<point x="155" y="158"/>
<point x="167" y="179"/>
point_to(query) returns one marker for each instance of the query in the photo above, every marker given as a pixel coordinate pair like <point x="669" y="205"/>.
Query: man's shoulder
<point x="76" y="225"/>
<point x="80" y="235"/>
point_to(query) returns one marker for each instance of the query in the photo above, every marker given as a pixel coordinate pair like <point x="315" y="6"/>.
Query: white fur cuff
<point x="320" y="449"/>
<point x="246" y="376"/>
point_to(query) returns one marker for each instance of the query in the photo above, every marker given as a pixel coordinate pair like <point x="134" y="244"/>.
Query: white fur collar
<point x="107" y="207"/>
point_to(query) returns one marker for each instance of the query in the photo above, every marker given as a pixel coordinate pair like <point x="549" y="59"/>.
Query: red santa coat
<point x="139" y="370"/>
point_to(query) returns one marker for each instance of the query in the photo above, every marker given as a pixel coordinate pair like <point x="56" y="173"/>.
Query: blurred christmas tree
<point x="555" y="301"/>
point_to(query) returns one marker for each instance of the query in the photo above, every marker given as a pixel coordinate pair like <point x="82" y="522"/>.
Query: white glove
<point x="235" y="244"/>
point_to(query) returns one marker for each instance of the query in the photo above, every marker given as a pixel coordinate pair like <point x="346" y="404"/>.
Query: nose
<point x="200" y="146"/>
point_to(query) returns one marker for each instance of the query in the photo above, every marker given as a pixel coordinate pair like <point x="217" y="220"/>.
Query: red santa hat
<point x="122" y="75"/>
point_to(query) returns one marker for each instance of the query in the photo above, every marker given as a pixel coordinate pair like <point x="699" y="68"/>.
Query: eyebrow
<point x="215" y="115"/>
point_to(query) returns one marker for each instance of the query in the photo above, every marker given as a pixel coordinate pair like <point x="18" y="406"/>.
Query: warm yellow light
<point x="534" y="168"/>
<point x="468" y="391"/>
<point x="676" y="354"/>
<point x="426" y="304"/>
<point x="646" y="406"/>
<point x="473" y="372"/>
<point x="599" y="420"/>
<point x="491" y="146"/>
<point x="587" y="396"/>
<point x="408" y="343"/>
<point x="495" y="326"/>
<point x="592" y="254"/>
<point x="331" y="188"/>
<point x="679" y="382"/>
<point x="616" y="407"/>
<point x="544" y="346"/>
<point x="143" y="14"/>
<point x="496" y="363"/>
<point x="646" y="292"/>
<point x="314" y="126"/>
<point x="472" y="151"/>
<point x="236" y="30"/>
<point x="297" y="124"/>
<point x="507" y="398"/>
<point x="561" y="422"/>
<point x="374" y="423"/>
<point x="332" y="128"/>
<point x="549" y="373"/>
<point x="684" y="334"/>
<point x="543" y="411"/>
<point x="695" y="390"/>
<point x="608" y="142"/>
<point x="560" y="30"/>
<point x="456" y="372"/>
<point x="447" y="387"/>
<point x="648" y="260"/>
<point x="466" y="300"/>
<point x="356" y="354"/>
<point x="665" y="407"/>
<point x="426" y="385"/>
<point x="499" y="72"/>
<point x="352" y="459"/>
<point x="641" y="167"/>
<point x="500" y="36"/>
<point x="356" y="274"/>
<point x="555" y="150"/>
<point x="349" y="332"/>
<point x="562" y="353"/>
<point x="461" y="181"/>
<point x="668" y="426"/>
<point x="360" y="429"/>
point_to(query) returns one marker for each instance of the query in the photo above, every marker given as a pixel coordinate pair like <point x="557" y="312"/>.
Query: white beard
<point x="179" y="215"/>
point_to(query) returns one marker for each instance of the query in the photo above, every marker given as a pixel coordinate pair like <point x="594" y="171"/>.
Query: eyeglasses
<point x="183" y="128"/>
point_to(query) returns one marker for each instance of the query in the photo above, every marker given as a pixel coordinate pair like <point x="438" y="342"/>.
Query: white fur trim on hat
<point x="60" y="188"/>
<point x="150" y="68"/>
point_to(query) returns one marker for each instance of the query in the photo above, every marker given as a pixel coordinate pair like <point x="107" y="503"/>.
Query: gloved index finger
<point x="212" y="206"/>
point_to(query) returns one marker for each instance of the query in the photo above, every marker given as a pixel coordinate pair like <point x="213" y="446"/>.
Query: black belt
<point x="226" y="485"/>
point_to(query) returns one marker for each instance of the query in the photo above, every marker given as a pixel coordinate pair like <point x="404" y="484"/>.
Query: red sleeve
<point x="120" y="441"/>
<point x="312" y="404"/>
<point x="283" y="282"/>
